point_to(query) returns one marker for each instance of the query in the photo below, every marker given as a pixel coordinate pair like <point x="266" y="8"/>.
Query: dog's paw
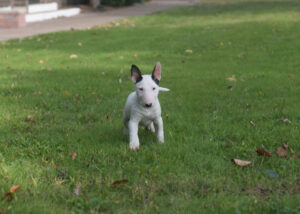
<point x="160" y="139"/>
<point x="134" y="146"/>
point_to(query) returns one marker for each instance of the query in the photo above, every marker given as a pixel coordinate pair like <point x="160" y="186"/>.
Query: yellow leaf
<point x="58" y="182"/>
<point x="221" y="44"/>
<point x="189" y="51"/>
<point x="66" y="92"/>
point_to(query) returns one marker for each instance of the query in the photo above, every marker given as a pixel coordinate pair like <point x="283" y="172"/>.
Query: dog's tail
<point x="163" y="89"/>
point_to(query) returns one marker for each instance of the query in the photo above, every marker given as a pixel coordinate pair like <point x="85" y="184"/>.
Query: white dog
<point x="142" y="106"/>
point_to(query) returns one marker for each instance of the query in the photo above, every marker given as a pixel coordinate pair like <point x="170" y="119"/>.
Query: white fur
<point x="136" y="112"/>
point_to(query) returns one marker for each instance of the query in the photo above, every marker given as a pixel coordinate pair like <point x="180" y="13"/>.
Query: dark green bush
<point x="118" y="3"/>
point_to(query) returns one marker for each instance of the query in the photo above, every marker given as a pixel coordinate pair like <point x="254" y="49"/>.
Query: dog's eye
<point x="153" y="89"/>
<point x="141" y="89"/>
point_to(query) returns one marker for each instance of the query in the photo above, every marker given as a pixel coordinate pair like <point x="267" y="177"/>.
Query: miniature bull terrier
<point x="142" y="106"/>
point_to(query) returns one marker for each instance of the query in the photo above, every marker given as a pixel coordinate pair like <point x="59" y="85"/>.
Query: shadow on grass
<point x="241" y="7"/>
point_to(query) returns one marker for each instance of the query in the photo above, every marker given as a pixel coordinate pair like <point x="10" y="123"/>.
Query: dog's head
<point x="147" y="86"/>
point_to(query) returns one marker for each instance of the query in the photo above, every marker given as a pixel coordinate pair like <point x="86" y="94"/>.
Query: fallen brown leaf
<point x="119" y="182"/>
<point x="12" y="190"/>
<point x="241" y="162"/>
<point x="296" y="155"/>
<point x="29" y="118"/>
<point x="229" y="87"/>
<point x="263" y="152"/>
<point x="282" y="151"/>
<point x="41" y="61"/>
<point x="73" y="155"/>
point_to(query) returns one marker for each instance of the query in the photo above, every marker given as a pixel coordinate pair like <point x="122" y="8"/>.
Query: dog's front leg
<point x="133" y="134"/>
<point x="159" y="129"/>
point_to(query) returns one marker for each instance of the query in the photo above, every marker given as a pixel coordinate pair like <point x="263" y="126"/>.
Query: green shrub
<point x="118" y="3"/>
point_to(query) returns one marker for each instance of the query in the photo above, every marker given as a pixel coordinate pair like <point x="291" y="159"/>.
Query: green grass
<point x="76" y="106"/>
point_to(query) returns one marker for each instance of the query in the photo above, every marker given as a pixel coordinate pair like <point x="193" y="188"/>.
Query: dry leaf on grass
<point x="73" y="155"/>
<point x="119" y="182"/>
<point x="282" y="151"/>
<point x="12" y="190"/>
<point x="285" y="120"/>
<point x="292" y="76"/>
<point x="252" y="123"/>
<point x="189" y="51"/>
<point x="29" y="118"/>
<point x="231" y="79"/>
<point x="296" y="155"/>
<point x="73" y="56"/>
<point x="77" y="189"/>
<point x="263" y="152"/>
<point x="241" y="162"/>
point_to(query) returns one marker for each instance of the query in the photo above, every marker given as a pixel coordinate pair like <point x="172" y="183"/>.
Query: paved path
<point x="90" y="19"/>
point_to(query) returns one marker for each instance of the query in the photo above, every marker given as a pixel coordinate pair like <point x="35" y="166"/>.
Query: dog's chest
<point x="148" y="115"/>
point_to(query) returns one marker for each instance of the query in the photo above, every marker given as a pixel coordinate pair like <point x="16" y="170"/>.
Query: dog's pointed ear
<point x="163" y="89"/>
<point x="156" y="74"/>
<point x="136" y="75"/>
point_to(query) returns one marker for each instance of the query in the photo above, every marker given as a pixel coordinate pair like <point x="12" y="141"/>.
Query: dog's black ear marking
<point x="136" y="75"/>
<point x="156" y="74"/>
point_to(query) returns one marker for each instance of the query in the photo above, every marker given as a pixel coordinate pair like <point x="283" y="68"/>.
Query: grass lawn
<point x="61" y="131"/>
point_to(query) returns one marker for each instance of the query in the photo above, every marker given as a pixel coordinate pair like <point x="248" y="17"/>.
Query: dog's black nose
<point x="148" y="105"/>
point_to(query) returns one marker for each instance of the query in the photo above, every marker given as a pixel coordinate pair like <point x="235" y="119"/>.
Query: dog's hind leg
<point x="126" y="130"/>
<point x="150" y="127"/>
<point x="125" y="121"/>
